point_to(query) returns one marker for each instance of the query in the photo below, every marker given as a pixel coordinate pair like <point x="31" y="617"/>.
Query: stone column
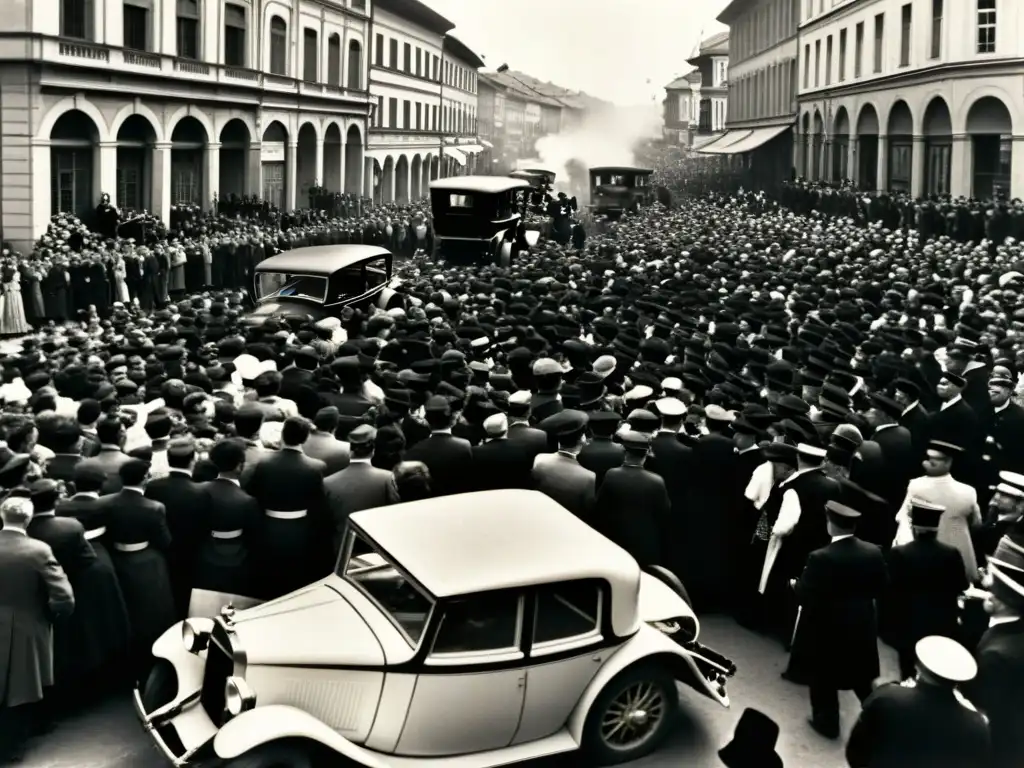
<point x="211" y="173"/>
<point x="342" y="151"/>
<point x="1016" y="168"/>
<point x="852" y="171"/>
<point x="389" y="184"/>
<point x="917" y="169"/>
<point x="254" y="170"/>
<point x="105" y="178"/>
<point x="882" y="172"/>
<point x="161" y="191"/>
<point x="320" y="177"/>
<point x="291" y="172"/>
<point x="41" y="190"/>
<point x="960" y="177"/>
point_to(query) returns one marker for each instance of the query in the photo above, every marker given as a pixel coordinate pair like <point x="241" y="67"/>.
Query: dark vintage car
<point x="617" y="189"/>
<point x="538" y="177"/>
<point x="321" y="280"/>
<point x="479" y="217"/>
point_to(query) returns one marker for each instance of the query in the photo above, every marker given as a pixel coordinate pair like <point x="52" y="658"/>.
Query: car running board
<point x="556" y="744"/>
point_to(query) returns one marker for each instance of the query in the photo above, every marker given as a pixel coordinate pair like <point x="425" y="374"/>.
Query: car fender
<point x="188" y="667"/>
<point x="274" y="722"/>
<point x="385" y="296"/>
<point x="647" y="643"/>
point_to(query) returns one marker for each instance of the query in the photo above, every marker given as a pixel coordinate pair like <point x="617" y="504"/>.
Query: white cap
<point x="496" y="425"/>
<point x="811" y="450"/>
<point x="946" y="659"/>
<point x="605" y="365"/>
<point x="247" y="367"/>
<point x="672" y="407"/>
<point x="1012" y="479"/>
<point x="639" y="392"/>
<point x="671" y="384"/>
<point x="718" y="413"/>
<point x="520" y="397"/>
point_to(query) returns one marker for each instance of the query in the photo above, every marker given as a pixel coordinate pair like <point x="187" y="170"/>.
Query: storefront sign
<point x="272" y="152"/>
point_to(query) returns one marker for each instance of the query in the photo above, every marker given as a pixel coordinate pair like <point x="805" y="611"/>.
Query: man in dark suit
<point x="358" y="486"/>
<point x="248" y="421"/>
<point x="888" y="461"/>
<point x="183" y="500"/>
<point x="446" y="456"/>
<point x="89" y="412"/>
<point x="601" y="452"/>
<point x="65" y="438"/>
<point x="295" y="546"/>
<point x="835" y="647"/>
<point x="925" y="724"/>
<point x="323" y="445"/>
<point x="1004" y="434"/>
<point x="632" y="507"/>
<point x="996" y="691"/>
<point x="559" y="475"/>
<point x="110" y="458"/>
<point x="300" y="375"/>
<point x="34" y="593"/>
<point x="913" y="416"/>
<point x="926" y="577"/>
<point x="499" y="462"/>
<point x="956" y="422"/>
<point x="519" y="429"/>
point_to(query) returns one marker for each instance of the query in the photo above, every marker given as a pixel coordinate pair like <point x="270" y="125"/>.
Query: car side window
<point x="479" y="624"/>
<point x="376" y="273"/>
<point x="567" y="611"/>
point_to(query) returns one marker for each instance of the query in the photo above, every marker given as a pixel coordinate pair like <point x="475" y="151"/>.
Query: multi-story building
<point x="512" y="117"/>
<point x="762" y="87"/>
<point x="681" y="109"/>
<point x="712" y="61"/>
<point x="159" y="102"/>
<point x="405" y="83"/>
<point x="925" y="96"/>
<point x="459" y="102"/>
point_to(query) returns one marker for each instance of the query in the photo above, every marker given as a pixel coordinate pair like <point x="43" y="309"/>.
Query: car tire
<point x="668" y="578"/>
<point x="608" y="736"/>
<point x="278" y="754"/>
<point x="504" y="256"/>
<point x="160" y="687"/>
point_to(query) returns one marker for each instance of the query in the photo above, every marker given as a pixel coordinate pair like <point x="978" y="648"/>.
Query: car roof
<point x="320" y="259"/>
<point x="477" y="542"/>
<point x="624" y="168"/>
<point x="486" y="184"/>
<point x="544" y="171"/>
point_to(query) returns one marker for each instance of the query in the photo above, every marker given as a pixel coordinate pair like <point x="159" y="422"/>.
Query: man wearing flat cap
<point x="925" y="722"/>
<point x="499" y="462"/>
<point x="926" y="578"/>
<point x="559" y="474"/>
<point x="447" y="457"/>
<point x="547" y="377"/>
<point x="519" y="429"/>
<point x="835" y="647"/>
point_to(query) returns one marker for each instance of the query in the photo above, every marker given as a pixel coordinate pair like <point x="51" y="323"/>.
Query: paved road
<point x="108" y="736"/>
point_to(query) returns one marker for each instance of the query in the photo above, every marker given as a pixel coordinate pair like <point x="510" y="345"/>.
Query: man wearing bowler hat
<point x="925" y="722"/>
<point x="834" y="644"/>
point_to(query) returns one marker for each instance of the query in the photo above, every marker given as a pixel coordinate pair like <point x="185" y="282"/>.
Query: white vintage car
<point x="473" y="630"/>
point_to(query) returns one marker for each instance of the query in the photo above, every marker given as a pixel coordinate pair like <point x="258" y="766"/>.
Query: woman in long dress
<point x="120" y="280"/>
<point x="12" y="320"/>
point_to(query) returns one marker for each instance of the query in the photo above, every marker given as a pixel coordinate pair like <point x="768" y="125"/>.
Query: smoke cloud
<point x="604" y="137"/>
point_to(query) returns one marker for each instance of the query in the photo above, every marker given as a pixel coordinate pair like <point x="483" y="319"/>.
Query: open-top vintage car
<point x="471" y="631"/>
<point x="479" y="217"/>
<point x="617" y="189"/>
<point x="320" y="280"/>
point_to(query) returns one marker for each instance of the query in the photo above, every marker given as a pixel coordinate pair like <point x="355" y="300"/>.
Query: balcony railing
<point x="113" y="59"/>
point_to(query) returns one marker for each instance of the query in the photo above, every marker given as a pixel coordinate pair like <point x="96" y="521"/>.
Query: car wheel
<point x="631" y="716"/>
<point x="504" y="258"/>
<point x="278" y="754"/>
<point x="395" y="301"/>
<point x="160" y="687"/>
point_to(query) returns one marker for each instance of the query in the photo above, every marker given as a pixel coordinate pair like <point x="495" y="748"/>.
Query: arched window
<point x="355" y="65"/>
<point x="334" y="59"/>
<point x="278" y="46"/>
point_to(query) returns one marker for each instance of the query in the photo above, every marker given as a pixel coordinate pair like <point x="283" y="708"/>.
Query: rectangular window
<point x="936" y="43"/>
<point x="419" y="62"/>
<point x="858" y="49"/>
<point x="419" y="116"/>
<point x="828" y="60"/>
<point x="76" y="19"/>
<point x="435" y="75"/>
<point x="842" y="55"/>
<point x="433" y="117"/>
<point x="235" y="36"/>
<point x="380" y="111"/>
<point x="986" y="26"/>
<point x="406" y="114"/>
<point x="359" y="5"/>
<point x="938" y="165"/>
<point x="310" y="55"/>
<point x="392" y="113"/>
<point x="407" y="59"/>
<point x="817" y="63"/>
<point x="378" y="50"/>
<point x="900" y="164"/>
<point x="879" y="41"/>
<point x="393" y="57"/>
<point x="906" y="22"/>
<point x="807" y="65"/>
<point x="187" y="29"/>
<point x="136" y="26"/>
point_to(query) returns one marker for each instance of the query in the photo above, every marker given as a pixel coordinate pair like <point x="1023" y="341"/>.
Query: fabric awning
<point x="721" y="147"/>
<point x="759" y="137"/>
<point x="486" y="143"/>
<point x="470" y="149"/>
<point x="701" y="142"/>
<point x="455" y="155"/>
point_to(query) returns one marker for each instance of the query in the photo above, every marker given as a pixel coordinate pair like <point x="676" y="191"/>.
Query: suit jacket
<point x="132" y="518"/>
<point x="287" y="480"/>
<point x="34" y="592"/>
<point x="916" y="421"/>
<point x="90" y="444"/>
<point x="902" y="461"/>
<point x="183" y="500"/>
<point x="536" y="439"/>
<point x="447" y="457"/>
<point x="62" y="466"/>
<point x="920" y="727"/>
<point x="109" y="460"/>
<point x="254" y="454"/>
<point x="837" y="592"/>
<point x="600" y="455"/>
<point x="66" y="538"/>
<point x="957" y="424"/>
<point x="84" y="509"/>
<point x="502" y="463"/>
<point x="292" y="382"/>
<point x="562" y="478"/>
<point x="1006" y="430"/>
<point x="996" y="691"/>
<point x="926" y="577"/>
<point x="633" y="510"/>
<point x="334" y="453"/>
<point x="358" y="486"/>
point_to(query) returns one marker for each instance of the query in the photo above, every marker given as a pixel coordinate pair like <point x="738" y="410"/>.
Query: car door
<point x="567" y="649"/>
<point x="469" y="691"/>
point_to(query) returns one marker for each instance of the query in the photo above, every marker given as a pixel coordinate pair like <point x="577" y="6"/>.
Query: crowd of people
<point x="800" y="414"/>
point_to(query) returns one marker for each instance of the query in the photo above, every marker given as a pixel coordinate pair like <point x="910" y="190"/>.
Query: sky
<point x="624" y="51"/>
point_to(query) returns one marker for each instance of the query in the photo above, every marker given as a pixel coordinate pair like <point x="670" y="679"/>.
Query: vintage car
<point x="479" y="217"/>
<point x="538" y="177"/>
<point x="617" y="189"/>
<point x="471" y="631"/>
<point x="320" y="280"/>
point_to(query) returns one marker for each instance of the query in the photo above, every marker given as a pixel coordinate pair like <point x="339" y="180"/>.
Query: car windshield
<point x="385" y="584"/>
<point x="278" y="285"/>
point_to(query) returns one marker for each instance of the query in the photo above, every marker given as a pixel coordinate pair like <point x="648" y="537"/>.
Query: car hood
<point x="315" y="626"/>
<point x="285" y="308"/>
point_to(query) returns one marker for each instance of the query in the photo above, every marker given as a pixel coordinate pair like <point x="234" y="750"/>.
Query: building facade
<point x="925" y="96"/>
<point x="712" y="61"/>
<point x="160" y="102"/>
<point x="460" y="101"/>
<point x="681" y="109"/>
<point x="763" y="64"/>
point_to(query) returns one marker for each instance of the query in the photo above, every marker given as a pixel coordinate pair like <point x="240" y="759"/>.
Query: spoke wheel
<point x="633" y="716"/>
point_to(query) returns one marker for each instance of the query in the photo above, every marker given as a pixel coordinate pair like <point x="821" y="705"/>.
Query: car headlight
<point x="238" y="696"/>
<point x="195" y="634"/>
